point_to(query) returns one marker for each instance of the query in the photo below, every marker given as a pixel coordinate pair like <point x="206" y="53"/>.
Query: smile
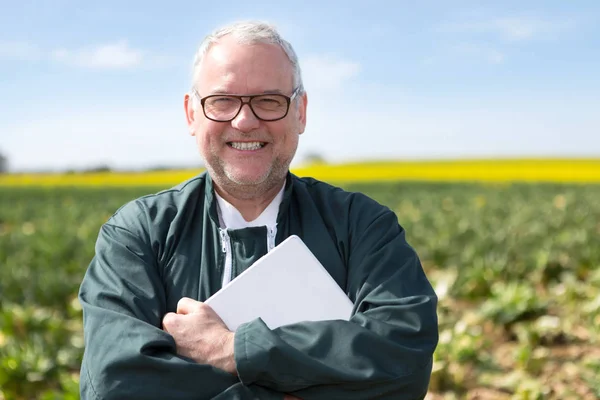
<point x="246" y="145"/>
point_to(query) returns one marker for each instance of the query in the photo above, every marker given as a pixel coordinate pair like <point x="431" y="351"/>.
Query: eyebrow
<point x="223" y="91"/>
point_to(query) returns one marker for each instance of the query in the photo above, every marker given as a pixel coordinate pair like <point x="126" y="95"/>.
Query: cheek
<point x="292" y="135"/>
<point x="208" y="133"/>
<point x="285" y="130"/>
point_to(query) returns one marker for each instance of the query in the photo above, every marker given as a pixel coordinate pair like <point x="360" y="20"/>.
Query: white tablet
<point x="285" y="286"/>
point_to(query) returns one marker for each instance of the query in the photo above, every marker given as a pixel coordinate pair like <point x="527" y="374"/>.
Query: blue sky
<point x="85" y="84"/>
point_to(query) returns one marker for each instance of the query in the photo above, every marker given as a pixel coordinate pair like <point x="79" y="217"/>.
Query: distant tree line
<point x="3" y="164"/>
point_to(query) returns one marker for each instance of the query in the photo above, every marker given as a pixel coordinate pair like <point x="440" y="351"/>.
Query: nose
<point x="245" y="121"/>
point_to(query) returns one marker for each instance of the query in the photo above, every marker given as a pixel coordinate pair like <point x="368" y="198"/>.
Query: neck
<point x="249" y="201"/>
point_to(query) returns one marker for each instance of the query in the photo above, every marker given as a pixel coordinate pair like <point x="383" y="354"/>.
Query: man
<point x="148" y="334"/>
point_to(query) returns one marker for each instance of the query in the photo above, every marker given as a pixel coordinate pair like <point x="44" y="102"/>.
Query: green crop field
<point x="516" y="269"/>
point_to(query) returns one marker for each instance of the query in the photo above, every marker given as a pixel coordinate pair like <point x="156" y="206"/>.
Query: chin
<point x="243" y="178"/>
<point x="259" y="177"/>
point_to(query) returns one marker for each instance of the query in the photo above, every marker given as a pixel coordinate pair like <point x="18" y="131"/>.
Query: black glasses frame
<point x="248" y="100"/>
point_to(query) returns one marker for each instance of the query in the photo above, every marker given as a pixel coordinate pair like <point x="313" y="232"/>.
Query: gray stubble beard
<point x="274" y="177"/>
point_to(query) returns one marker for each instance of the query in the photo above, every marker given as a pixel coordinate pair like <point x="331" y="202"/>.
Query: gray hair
<point x="249" y="32"/>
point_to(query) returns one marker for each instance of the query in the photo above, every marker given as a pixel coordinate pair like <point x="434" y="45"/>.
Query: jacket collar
<point x="287" y="196"/>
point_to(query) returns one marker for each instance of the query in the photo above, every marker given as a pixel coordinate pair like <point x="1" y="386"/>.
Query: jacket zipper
<point x="226" y="248"/>
<point x="271" y="238"/>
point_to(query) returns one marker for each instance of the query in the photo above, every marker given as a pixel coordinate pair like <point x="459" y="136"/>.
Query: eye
<point x="270" y="102"/>
<point x="222" y="102"/>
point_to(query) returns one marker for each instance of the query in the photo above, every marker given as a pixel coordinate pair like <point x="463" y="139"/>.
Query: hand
<point x="201" y="335"/>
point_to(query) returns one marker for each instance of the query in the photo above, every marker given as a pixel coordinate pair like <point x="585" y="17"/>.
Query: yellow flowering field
<point x="521" y="170"/>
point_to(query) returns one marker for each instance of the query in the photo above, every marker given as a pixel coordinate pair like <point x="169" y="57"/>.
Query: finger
<point x="188" y="306"/>
<point x="169" y="322"/>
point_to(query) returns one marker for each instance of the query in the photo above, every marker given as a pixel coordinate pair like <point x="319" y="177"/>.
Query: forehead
<point x="230" y="66"/>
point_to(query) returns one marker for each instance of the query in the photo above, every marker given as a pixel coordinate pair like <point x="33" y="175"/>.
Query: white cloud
<point x="516" y="28"/>
<point x="495" y="56"/>
<point x="486" y="53"/>
<point x="117" y="55"/>
<point x="511" y="29"/>
<point x="19" y="51"/>
<point x="326" y="72"/>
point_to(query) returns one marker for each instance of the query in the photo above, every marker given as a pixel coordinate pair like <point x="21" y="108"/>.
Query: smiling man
<point x="148" y="333"/>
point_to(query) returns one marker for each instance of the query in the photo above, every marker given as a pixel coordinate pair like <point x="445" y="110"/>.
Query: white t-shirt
<point x="231" y="218"/>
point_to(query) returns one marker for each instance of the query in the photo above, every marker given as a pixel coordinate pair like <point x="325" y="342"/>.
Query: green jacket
<point x="160" y="248"/>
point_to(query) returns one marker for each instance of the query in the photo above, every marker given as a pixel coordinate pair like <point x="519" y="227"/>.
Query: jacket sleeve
<point x="385" y="350"/>
<point x="127" y="354"/>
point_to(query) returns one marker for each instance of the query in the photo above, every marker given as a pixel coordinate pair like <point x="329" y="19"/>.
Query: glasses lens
<point x="221" y="107"/>
<point x="270" y="106"/>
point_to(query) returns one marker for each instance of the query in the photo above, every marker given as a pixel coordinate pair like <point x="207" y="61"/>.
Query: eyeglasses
<point x="266" y="107"/>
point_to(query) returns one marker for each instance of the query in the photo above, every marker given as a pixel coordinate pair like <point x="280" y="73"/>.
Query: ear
<point x="190" y="113"/>
<point x="302" y="111"/>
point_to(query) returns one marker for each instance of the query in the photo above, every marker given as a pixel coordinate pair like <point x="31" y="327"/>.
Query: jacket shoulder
<point x="339" y="200"/>
<point x="159" y="205"/>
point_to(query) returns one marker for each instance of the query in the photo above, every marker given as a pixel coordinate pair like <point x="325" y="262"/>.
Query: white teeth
<point x="246" y="145"/>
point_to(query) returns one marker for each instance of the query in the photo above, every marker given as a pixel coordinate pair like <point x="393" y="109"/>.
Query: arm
<point x="127" y="354"/>
<point x="384" y="351"/>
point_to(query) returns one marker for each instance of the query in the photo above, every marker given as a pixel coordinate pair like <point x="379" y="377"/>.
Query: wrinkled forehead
<point x="234" y="67"/>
